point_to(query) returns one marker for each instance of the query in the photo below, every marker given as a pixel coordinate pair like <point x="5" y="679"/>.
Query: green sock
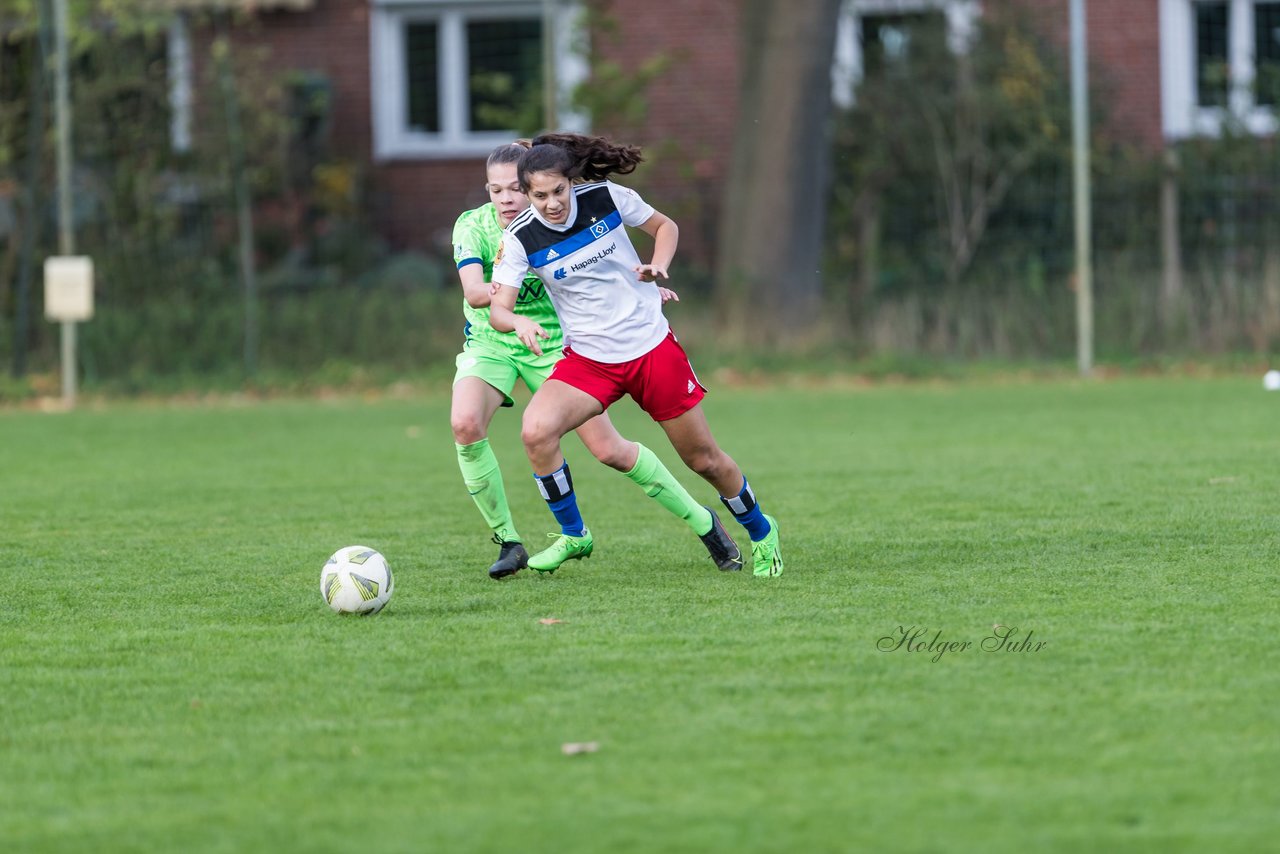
<point x="484" y="482"/>
<point x="652" y="476"/>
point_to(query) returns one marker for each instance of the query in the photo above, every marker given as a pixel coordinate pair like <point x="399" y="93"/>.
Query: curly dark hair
<point x="577" y="156"/>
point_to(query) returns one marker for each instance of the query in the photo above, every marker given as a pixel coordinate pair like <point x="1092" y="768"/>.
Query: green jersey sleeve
<point x="473" y="243"/>
<point x="476" y="237"/>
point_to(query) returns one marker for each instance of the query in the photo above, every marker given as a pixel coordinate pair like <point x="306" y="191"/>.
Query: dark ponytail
<point x="588" y="158"/>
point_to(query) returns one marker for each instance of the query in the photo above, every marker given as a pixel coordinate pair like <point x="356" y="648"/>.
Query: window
<point x="891" y="42"/>
<point x="1212" y="69"/>
<point x="503" y="54"/>
<point x="454" y="78"/>
<point x="1219" y="61"/>
<point x="422" y="82"/>
<point x="1266" y="40"/>
<point x="876" y="37"/>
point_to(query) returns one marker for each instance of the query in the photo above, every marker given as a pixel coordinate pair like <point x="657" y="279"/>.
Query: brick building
<point x="405" y="102"/>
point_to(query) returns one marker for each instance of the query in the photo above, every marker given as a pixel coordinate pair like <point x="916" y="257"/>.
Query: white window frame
<point x="181" y="98"/>
<point x="1182" y="115"/>
<point x="847" y="70"/>
<point x="393" y="139"/>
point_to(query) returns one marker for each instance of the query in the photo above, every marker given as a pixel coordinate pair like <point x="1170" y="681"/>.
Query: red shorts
<point x="662" y="381"/>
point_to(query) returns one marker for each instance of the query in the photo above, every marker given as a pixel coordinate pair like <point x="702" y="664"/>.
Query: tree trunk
<point x="1170" y="246"/>
<point x="867" y="217"/>
<point x="32" y="210"/>
<point x="769" y="270"/>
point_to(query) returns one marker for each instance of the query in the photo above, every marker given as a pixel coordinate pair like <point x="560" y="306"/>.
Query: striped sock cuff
<point x="744" y="502"/>
<point x="555" y="486"/>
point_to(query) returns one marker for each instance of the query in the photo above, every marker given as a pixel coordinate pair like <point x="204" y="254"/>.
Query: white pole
<point x="550" y="95"/>
<point x="66" y="234"/>
<point x="1082" y="195"/>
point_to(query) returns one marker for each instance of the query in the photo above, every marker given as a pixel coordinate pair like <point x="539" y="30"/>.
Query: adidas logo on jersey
<point x="552" y="255"/>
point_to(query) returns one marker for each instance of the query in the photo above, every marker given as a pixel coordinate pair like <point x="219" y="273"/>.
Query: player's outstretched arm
<point x="502" y="303"/>
<point x="475" y="290"/>
<point x="503" y="318"/>
<point x="666" y="236"/>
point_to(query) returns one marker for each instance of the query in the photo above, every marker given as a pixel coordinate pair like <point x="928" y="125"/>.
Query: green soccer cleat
<point x="765" y="554"/>
<point x="564" y="548"/>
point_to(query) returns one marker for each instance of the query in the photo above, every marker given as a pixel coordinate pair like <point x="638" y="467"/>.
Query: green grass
<point x="170" y="679"/>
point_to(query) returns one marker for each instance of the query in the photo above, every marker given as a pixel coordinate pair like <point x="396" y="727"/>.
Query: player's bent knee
<point x="616" y="455"/>
<point x="703" y="462"/>
<point x="712" y="465"/>
<point x="608" y="447"/>
<point x="537" y="434"/>
<point x="467" y="429"/>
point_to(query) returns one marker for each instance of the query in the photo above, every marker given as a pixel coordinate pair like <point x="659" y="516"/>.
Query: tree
<point x="946" y="128"/>
<point x="769" y="269"/>
<point x="987" y="131"/>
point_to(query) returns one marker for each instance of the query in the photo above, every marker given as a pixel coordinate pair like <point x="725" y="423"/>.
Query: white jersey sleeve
<point x="634" y="210"/>
<point x="511" y="264"/>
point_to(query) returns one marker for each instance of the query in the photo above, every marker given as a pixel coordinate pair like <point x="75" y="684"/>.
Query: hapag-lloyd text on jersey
<point x="602" y="254"/>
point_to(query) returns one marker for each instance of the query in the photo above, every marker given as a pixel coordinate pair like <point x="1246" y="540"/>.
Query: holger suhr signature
<point x="921" y="639"/>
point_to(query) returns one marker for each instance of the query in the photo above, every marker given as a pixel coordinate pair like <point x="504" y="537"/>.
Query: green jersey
<point x="476" y="238"/>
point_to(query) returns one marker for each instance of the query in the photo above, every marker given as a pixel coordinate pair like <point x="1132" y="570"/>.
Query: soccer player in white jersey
<point x="491" y="362"/>
<point x="617" y="340"/>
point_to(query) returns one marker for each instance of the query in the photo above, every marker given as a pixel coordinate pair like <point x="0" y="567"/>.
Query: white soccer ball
<point x="356" y="580"/>
<point x="1271" y="380"/>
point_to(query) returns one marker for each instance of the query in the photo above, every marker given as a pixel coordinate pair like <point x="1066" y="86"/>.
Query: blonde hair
<point x="508" y="153"/>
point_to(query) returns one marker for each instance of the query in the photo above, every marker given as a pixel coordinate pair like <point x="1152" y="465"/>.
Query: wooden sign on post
<point x="68" y="288"/>
<point x="68" y="299"/>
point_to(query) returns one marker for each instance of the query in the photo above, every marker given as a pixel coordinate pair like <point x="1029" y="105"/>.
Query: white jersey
<point x="588" y="267"/>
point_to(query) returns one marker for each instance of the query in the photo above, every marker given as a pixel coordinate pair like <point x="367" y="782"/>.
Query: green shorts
<point x="501" y="368"/>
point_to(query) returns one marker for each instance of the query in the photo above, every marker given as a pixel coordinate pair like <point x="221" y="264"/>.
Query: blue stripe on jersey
<point x="465" y="261"/>
<point x="588" y="235"/>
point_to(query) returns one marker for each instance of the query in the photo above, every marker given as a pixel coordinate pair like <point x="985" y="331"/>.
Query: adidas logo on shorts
<point x="690" y="387"/>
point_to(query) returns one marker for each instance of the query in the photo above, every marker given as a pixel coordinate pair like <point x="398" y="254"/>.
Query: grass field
<point x="170" y="679"/>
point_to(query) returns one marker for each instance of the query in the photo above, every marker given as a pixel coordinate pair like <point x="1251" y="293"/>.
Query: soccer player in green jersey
<point x="491" y="362"/>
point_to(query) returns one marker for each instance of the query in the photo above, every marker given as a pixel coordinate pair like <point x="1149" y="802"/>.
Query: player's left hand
<point x="494" y="287"/>
<point x="668" y="295"/>
<point x="651" y="273"/>
<point x="529" y="332"/>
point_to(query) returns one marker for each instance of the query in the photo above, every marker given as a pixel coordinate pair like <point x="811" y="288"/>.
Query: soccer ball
<point x="1271" y="380"/>
<point x="356" y="580"/>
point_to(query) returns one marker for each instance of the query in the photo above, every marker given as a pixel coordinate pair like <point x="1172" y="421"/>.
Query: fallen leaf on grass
<point x="549" y="621"/>
<point x="573" y="748"/>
